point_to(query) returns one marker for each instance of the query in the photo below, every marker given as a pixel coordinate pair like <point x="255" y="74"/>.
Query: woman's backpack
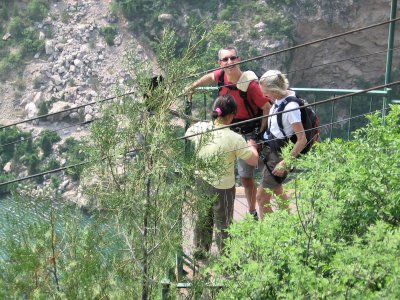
<point x="309" y="119"/>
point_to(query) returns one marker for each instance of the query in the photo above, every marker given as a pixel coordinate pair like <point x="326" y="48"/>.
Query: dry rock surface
<point x="334" y="18"/>
<point x="77" y="67"/>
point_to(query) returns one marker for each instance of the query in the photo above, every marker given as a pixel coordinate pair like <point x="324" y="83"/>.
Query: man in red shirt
<point x="250" y="101"/>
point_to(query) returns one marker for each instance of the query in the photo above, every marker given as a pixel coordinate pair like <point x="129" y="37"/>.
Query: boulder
<point x="49" y="47"/>
<point x="165" y="18"/>
<point x="78" y="63"/>
<point x="57" y="107"/>
<point x="259" y="25"/>
<point x="56" y="79"/>
<point x="38" y="98"/>
<point x="31" y="110"/>
<point x="7" y="167"/>
<point x="6" y="36"/>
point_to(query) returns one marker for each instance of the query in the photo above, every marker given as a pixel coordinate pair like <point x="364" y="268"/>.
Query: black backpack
<point x="309" y="119"/>
<point x="247" y="127"/>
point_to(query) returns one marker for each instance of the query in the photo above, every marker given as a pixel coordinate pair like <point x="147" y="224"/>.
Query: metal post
<point x="392" y="25"/>
<point x="389" y="57"/>
<point x="350" y="115"/>
<point x="205" y="106"/>
<point x="165" y="286"/>
<point x="179" y="253"/>
<point x="332" y="118"/>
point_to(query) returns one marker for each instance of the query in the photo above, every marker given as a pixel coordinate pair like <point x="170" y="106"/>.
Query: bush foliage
<point x="19" y="20"/>
<point x="46" y="140"/>
<point x="138" y="177"/>
<point x="23" y="152"/>
<point x="109" y="33"/>
<point x="343" y="241"/>
<point x="238" y="16"/>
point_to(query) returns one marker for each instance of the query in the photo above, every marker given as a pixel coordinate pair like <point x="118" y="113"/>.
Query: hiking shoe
<point x="254" y="214"/>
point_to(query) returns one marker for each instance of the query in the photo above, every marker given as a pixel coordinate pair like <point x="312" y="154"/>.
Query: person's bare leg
<point x="281" y="197"/>
<point x="264" y="202"/>
<point x="250" y="191"/>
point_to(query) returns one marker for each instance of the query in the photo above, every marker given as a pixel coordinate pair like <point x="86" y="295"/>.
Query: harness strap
<point x="281" y="107"/>
<point x="278" y="179"/>
<point x="243" y="94"/>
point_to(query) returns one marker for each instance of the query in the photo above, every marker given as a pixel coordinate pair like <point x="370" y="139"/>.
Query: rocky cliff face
<point x="78" y="66"/>
<point x="327" y="21"/>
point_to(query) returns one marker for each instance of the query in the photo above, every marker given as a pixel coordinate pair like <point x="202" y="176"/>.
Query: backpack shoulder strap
<point x="220" y="81"/>
<point x="243" y="94"/>
<point x="282" y="106"/>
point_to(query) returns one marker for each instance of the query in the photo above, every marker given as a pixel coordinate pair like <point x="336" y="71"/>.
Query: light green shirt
<point x="222" y="147"/>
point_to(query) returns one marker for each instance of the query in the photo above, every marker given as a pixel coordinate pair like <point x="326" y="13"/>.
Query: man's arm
<point x="207" y="79"/>
<point x="253" y="159"/>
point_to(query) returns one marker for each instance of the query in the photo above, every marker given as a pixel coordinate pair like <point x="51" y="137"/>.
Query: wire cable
<point x="277" y="113"/>
<point x="299" y="46"/>
<point x="343" y="60"/>
<point x="210" y="70"/>
<point x="45" y="173"/>
<point x="173" y="112"/>
<point x="89" y="161"/>
<point x="41" y="133"/>
<point x="320" y="126"/>
<point x="219" y="128"/>
<point x="65" y="110"/>
<point x="205" y="90"/>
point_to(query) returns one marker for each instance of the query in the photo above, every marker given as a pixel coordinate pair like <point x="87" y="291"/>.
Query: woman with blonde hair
<point x="275" y="85"/>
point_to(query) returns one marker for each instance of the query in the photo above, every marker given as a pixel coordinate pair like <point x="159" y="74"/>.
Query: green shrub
<point x="25" y="145"/>
<point x="16" y="27"/>
<point x="5" y="69"/>
<point x="31" y="162"/>
<point x="31" y="43"/>
<point x="20" y="84"/>
<point x="37" y="10"/>
<point x="55" y="182"/>
<point x="65" y="16"/>
<point x="344" y="239"/>
<point x="4" y="14"/>
<point x="43" y="109"/>
<point x="253" y="33"/>
<point x="46" y="141"/>
<point x="10" y="143"/>
<point x="52" y="164"/>
<point x="74" y="154"/>
<point x="6" y="189"/>
<point x="8" y="64"/>
<point x="37" y="82"/>
<point x="109" y="33"/>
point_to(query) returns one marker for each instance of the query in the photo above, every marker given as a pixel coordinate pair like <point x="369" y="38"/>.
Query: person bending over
<point x="275" y="85"/>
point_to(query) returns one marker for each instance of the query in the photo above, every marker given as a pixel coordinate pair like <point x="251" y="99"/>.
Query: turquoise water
<point x="17" y="215"/>
<point x="28" y="220"/>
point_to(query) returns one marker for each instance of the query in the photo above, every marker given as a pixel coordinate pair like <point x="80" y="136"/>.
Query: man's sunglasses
<point x="232" y="58"/>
